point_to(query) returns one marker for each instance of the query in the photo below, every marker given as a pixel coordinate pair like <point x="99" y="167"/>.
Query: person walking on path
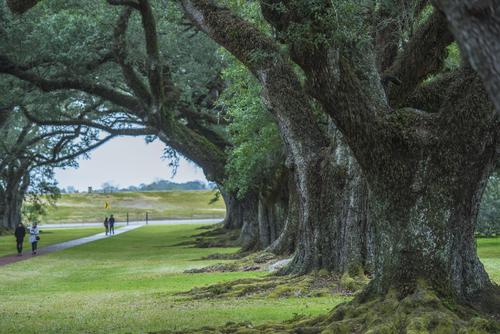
<point x="106" y="225"/>
<point x="20" y="233"/>
<point x="111" y="224"/>
<point x="34" y="237"/>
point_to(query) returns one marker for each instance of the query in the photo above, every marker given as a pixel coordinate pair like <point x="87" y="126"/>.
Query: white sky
<point x="126" y="161"/>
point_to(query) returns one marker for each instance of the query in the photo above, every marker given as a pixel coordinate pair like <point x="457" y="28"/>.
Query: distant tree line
<point x="158" y="185"/>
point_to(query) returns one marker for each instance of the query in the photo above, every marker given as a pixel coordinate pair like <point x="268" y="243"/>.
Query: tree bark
<point x="427" y="233"/>
<point x="307" y="145"/>
<point x="476" y="27"/>
<point x="231" y="221"/>
<point x="426" y="216"/>
<point x="287" y="240"/>
<point x="242" y="213"/>
<point x="273" y="211"/>
<point x="341" y="239"/>
<point x="260" y="217"/>
<point x="248" y="215"/>
<point x="12" y="212"/>
<point x="13" y="197"/>
<point x="425" y="170"/>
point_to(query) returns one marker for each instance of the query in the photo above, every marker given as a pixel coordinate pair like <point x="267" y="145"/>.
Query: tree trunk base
<point x="216" y="236"/>
<point x="423" y="311"/>
<point x="6" y="231"/>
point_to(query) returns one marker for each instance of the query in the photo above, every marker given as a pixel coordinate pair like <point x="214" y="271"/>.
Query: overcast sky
<point x="126" y="161"/>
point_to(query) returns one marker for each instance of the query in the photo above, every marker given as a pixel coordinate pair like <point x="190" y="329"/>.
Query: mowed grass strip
<point x="83" y="207"/>
<point x="128" y="284"/>
<point x="47" y="237"/>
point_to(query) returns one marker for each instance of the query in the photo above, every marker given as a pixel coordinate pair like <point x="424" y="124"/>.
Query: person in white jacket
<point x="34" y="237"/>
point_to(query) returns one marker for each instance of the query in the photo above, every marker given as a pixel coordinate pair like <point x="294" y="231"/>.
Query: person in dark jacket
<point x="111" y="224"/>
<point x="20" y="233"/>
<point x="106" y="225"/>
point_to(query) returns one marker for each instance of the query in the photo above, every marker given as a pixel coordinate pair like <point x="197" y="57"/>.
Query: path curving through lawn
<point x="4" y="260"/>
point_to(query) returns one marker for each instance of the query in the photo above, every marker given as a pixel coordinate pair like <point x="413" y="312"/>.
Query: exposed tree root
<point x="245" y="261"/>
<point x="319" y="284"/>
<point x="6" y="231"/>
<point x="225" y="256"/>
<point x="214" y="236"/>
<point x="421" y="312"/>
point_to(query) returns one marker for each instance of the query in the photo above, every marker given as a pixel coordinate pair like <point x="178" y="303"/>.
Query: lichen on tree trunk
<point x="338" y="237"/>
<point x="12" y="198"/>
<point x="286" y="242"/>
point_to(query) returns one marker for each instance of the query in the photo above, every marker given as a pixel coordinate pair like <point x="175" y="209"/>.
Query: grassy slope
<point x="127" y="284"/>
<point x="159" y="205"/>
<point x="47" y="237"/>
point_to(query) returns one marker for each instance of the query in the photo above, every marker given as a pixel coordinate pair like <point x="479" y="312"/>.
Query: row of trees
<point x="341" y="132"/>
<point x="159" y="185"/>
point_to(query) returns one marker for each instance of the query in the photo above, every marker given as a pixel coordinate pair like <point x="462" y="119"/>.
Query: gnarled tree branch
<point x="422" y="56"/>
<point x="47" y="85"/>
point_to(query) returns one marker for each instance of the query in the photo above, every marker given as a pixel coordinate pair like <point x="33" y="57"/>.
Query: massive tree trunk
<point x="232" y="219"/>
<point x="12" y="209"/>
<point x="2" y="207"/>
<point x="248" y="214"/>
<point x="427" y="233"/>
<point x="12" y="198"/>
<point x="426" y="203"/>
<point x="273" y="210"/>
<point x="306" y="143"/>
<point x="243" y="213"/>
<point x="414" y="161"/>
<point x="425" y="169"/>
<point x="287" y="240"/>
<point x="341" y="239"/>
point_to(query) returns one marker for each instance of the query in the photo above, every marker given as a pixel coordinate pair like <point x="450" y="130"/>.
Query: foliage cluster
<point x="258" y="148"/>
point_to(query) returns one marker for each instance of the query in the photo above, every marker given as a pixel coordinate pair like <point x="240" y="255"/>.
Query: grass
<point x="129" y="284"/>
<point x="488" y="250"/>
<point x="75" y="208"/>
<point x="47" y="237"/>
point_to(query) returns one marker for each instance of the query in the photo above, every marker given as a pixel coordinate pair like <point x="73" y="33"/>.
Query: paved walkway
<point x="140" y="223"/>
<point x="63" y="245"/>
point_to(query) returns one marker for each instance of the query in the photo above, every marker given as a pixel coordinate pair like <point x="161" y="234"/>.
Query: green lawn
<point x="84" y="207"/>
<point x="47" y="237"/>
<point x="127" y="284"/>
<point x="489" y="251"/>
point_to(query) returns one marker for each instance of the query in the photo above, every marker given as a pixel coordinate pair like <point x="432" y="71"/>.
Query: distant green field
<point x="83" y="207"/>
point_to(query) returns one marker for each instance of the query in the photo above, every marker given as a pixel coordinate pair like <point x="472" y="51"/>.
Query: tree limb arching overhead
<point x="476" y="26"/>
